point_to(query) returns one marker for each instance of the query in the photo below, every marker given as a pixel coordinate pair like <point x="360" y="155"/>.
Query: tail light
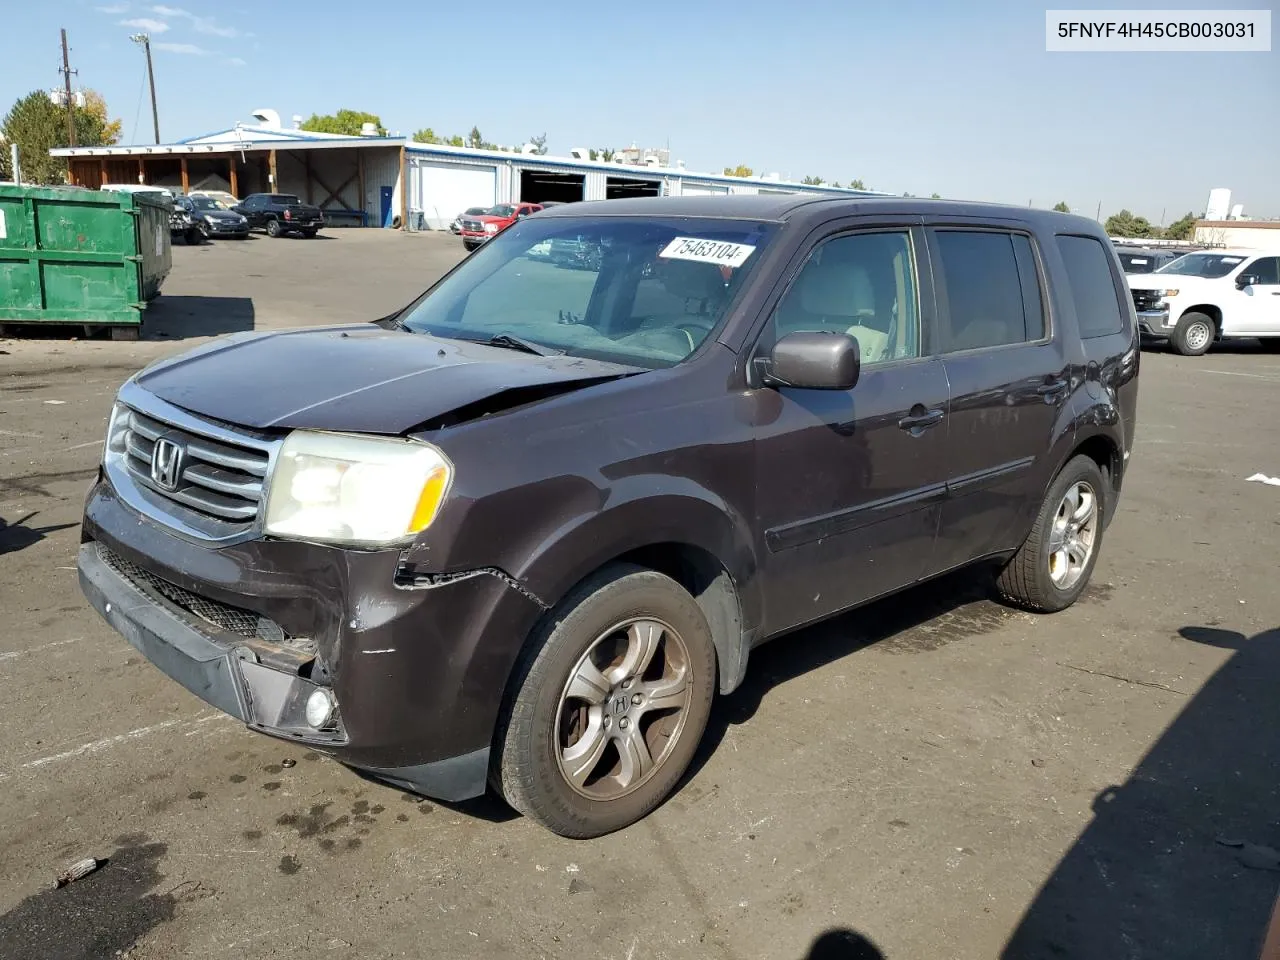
<point x="288" y="214"/>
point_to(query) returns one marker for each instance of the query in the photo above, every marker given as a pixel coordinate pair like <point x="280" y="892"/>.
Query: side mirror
<point x="815" y="361"/>
<point x="1245" y="280"/>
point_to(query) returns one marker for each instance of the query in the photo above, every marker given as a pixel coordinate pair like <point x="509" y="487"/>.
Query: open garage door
<point x="545" y="186"/>
<point x="617" y="188"/>
<point x="444" y="190"/>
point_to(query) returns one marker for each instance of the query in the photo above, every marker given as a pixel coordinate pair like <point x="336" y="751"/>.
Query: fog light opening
<point x="320" y="708"/>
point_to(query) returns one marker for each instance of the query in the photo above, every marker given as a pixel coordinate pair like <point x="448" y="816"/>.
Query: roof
<point x="234" y="140"/>
<point x="786" y="206"/>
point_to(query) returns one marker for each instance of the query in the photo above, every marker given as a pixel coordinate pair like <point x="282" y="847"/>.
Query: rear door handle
<point x="921" y="421"/>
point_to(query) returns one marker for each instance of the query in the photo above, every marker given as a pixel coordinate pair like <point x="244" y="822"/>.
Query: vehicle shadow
<point x="177" y="318"/>
<point x="841" y="943"/>
<point x="1233" y="346"/>
<point x="962" y="602"/>
<point x="18" y="536"/>
<point x="1181" y="860"/>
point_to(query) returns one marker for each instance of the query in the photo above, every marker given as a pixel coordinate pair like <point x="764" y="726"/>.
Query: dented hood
<point x="359" y="378"/>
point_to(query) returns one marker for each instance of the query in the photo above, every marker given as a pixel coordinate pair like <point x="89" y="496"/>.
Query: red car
<point x="476" y="230"/>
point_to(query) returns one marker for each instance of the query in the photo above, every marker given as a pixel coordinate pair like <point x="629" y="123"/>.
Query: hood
<point x="221" y="215"/>
<point x="1163" y="281"/>
<point x="359" y="378"/>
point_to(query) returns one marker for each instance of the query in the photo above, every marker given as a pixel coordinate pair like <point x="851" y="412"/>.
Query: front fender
<point x="641" y="511"/>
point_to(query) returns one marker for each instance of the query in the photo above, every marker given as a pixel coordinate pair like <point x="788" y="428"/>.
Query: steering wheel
<point x="697" y="329"/>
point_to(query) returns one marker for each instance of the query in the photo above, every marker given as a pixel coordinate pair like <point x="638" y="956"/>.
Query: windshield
<point x="476" y="211"/>
<point x="1139" y="262"/>
<point x="206" y="203"/>
<point x="1208" y="265"/>
<point x="640" y="291"/>
<point x="501" y="210"/>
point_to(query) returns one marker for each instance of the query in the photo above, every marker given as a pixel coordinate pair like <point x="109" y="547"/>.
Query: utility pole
<point x="1099" y="216"/>
<point x="71" y="104"/>
<point x="145" y="40"/>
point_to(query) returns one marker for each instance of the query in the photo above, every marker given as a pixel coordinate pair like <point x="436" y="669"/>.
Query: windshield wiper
<point x="510" y="342"/>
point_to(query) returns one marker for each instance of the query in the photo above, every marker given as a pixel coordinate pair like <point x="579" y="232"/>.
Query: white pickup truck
<point x="1208" y="296"/>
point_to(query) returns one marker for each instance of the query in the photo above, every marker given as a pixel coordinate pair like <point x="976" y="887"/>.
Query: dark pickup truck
<point x="518" y="535"/>
<point x="280" y="213"/>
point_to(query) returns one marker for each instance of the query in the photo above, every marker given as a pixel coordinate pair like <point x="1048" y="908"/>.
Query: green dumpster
<point x="88" y="257"/>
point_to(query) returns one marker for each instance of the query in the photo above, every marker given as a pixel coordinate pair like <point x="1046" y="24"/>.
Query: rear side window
<point x="1092" y="290"/>
<point x="992" y="289"/>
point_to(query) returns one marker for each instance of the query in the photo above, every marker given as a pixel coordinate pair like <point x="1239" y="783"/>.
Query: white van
<point x="1208" y="296"/>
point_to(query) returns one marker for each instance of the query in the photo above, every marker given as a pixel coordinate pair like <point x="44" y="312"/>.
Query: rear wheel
<point x="273" y="228"/>
<point x="1052" y="567"/>
<point x="1193" y="335"/>
<point x="607" y="707"/>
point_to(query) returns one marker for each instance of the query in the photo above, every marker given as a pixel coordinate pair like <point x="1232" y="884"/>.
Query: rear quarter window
<point x="992" y="289"/>
<point x="1092" y="289"/>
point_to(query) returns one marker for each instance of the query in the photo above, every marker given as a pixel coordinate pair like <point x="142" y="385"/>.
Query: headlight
<point x="117" y="425"/>
<point x="1166" y="293"/>
<point x="339" y="488"/>
<point x="490" y="228"/>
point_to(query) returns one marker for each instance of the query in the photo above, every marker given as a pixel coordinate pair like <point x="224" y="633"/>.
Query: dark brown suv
<point x="521" y="532"/>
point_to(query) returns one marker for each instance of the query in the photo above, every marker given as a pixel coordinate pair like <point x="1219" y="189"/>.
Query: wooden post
<point x="102" y="170"/>
<point x="186" y="180"/>
<point x="275" y="179"/>
<point x="404" y="193"/>
<point x="364" y="200"/>
<point x="306" y="166"/>
<point x="142" y="170"/>
<point x="233" y="180"/>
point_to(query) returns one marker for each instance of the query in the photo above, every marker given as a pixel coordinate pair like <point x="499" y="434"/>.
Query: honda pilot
<point x="519" y="534"/>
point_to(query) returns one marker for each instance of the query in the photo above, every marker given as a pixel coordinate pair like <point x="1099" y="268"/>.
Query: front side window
<point x="1266" y="269"/>
<point x="1092" y="289"/>
<point x="640" y="291"/>
<point x="992" y="289"/>
<point x="861" y="284"/>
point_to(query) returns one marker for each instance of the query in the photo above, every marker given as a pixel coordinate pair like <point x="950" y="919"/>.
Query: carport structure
<point x="358" y="179"/>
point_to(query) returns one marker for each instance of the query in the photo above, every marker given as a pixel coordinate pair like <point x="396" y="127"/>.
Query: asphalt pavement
<point x="936" y="776"/>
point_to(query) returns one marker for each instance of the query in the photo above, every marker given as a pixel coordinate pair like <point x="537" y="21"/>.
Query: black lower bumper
<point x="231" y="678"/>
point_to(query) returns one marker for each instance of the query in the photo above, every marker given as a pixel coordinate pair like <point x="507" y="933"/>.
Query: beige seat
<point x="841" y="298"/>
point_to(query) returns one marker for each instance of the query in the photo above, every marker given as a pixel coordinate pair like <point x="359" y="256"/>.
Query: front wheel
<point x="469" y="246"/>
<point x="273" y="228"/>
<point x="1193" y="335"/>
<point x="1053" y="565"/>
<point x="607" y="706"/>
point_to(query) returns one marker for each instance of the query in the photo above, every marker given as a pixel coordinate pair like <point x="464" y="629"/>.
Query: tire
<point x="1036" y="580"/>
<point x="469" y="246"/>
<point x="535" y="730"/>
<point x="1193" y="335"/>
<point x="273" y="228"/>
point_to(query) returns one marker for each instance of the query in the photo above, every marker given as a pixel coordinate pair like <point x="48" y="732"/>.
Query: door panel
<point x="847" y="499"/>
<point x="1256" y="308"/>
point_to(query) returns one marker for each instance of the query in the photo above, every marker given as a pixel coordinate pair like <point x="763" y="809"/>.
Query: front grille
<point x="473" y="225"/>
<point x="1145" y="299"/>
<point x="223" y="616"/>
<point x="215" y="479"/>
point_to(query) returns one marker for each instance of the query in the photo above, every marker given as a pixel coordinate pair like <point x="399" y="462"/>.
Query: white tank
<point x="1219" y="204"/>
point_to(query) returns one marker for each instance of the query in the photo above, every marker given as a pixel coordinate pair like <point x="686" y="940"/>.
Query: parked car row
<point x="206" y="215"/>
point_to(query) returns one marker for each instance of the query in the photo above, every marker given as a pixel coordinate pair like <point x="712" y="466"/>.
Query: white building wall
<point x="594" y="188"/>
<point x="690" y="187"/>
<point x="381" y="169"/>
<point x="1240" y="233"/>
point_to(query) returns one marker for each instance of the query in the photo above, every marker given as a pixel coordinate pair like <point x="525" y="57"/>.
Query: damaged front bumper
<point x="417" y="670"/>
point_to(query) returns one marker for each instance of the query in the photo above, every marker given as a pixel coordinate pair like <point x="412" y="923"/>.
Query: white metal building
<point x="443" y="181"/>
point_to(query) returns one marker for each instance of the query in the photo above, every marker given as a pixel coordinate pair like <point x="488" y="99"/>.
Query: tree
<point x="346" y="122"/>
<point x="741" y="170"/>
<point x="37" y="125"/>
<point x="1061" y="207"/>
<point x="607" y="155"/>
<point x="539" y="144"/>
<point x="96" y="107"/>
<point x="935" y="196"/>
<point x="1125" y="224"/>
<point x="836" y="184"/>
<point x="857" y="185"/>
<point x="474" y="139"/>
<point x="813" y="181"/>
<point x="593" y="153"/>
<point x="1183" y="228"/>
<point x="426" y="135"/>
<point x="457" y="141"/>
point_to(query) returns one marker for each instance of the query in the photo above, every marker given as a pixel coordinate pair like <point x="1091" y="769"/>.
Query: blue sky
<point x="961" y="99"/>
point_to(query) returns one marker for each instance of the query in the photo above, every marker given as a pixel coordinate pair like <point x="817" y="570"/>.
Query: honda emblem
<point x="166" y="464"/>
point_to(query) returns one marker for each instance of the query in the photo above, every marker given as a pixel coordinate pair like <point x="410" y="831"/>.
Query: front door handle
<point x="919" y="422"/>
<point x="1051" y="389"/>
